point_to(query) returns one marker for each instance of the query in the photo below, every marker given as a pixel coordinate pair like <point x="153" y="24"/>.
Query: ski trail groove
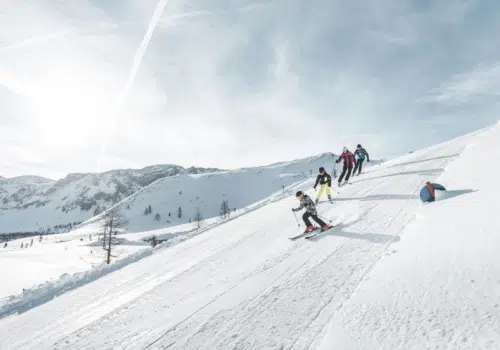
<point x="280" y="259"/>
<point x="202" y="308"/>
<point x="263" y="305"/>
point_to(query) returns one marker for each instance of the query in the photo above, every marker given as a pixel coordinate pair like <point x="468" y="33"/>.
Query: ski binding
<point x="314" y="234"/>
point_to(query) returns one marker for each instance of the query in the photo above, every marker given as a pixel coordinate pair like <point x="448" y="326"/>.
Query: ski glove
<point x="295" y="209"/>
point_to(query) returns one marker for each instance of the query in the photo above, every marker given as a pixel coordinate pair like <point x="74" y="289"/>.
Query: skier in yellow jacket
<point x="325" y="180"/>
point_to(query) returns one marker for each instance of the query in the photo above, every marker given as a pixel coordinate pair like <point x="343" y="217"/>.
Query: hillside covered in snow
<point x="394" y="274"/>
<point x="35" y="204"/>
<point x="150" y="198"/>
<point x="177" y="200"/>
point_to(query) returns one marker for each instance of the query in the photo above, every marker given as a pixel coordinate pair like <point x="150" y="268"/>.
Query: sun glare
<point x="70" y="107"/>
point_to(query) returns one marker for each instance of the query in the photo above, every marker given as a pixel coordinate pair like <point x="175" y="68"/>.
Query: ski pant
<point x="346" y="170"/>
<point x="359" y="165"/>
<point x="322" y="189"/>
<point x="306" y="217"/>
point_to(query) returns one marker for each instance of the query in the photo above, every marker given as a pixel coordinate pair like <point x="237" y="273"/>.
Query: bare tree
<point x="197" y="217"/>
<point x="113" y="219"/>
<point x="179" y="212"/>
<point x="105" y="230"/>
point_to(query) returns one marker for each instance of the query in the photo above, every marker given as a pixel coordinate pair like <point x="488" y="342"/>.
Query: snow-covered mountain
<point x="159" y="204"/>
<point x="36" y="204"/>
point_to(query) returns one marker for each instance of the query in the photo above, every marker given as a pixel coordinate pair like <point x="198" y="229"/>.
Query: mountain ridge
<point x="38" y="205"/>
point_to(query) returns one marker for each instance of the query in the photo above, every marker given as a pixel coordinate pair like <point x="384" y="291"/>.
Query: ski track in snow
<point x="243" y="285"/>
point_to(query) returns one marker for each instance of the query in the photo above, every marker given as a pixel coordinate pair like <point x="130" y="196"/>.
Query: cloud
<point x="236" y="84"/>
<point x="481" y="81"/>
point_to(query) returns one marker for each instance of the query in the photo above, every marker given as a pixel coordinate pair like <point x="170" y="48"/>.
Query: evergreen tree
<point x="197" y="217"/>
<point x="224" y="209"/>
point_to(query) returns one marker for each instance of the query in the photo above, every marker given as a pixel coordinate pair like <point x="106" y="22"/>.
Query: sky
<point x="236" y="83"/>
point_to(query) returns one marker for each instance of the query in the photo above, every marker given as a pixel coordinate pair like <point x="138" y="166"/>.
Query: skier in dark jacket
<point x="360" y="153"/>
<point x="311" y="212"/>
<point x="325" y="180"/>
<point x="349" y="162"/>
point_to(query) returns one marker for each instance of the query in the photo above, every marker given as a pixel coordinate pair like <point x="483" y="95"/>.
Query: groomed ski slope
<point x="440" y="287"/>
<point x="244" y="285"/>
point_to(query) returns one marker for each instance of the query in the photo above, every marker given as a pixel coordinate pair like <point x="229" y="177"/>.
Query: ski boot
<point x="309" y="229"/>
<point x="325" y="228"/>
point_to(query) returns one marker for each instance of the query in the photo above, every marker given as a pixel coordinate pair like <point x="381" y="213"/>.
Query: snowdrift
<point x="37" y="295"/>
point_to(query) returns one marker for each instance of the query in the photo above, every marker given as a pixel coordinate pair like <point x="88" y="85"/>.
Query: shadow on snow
<point x="378" y="197"/>
<point x="371" y="237"/>
<point x="435" y="171"/>
<point x="444" y="195"/>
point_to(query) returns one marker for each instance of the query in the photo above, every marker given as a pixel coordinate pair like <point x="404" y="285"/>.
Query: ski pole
<point x="298" y="223"/>
<point x="322" y="217"/>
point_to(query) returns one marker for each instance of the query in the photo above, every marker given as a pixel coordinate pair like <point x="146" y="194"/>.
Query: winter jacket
<point x="323" y="179"/>
<point x="348" y="158"/>
<point x="361" y="153"/>
<point x="306" y="202"/>
<point x="428" y="192"/>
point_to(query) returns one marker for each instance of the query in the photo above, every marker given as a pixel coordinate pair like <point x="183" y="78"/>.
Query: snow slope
<point x="239" y="188"/>
<point x="395" y="266"/>
<point x="439" y="286"/>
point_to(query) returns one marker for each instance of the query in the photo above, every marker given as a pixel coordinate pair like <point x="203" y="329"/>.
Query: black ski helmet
<point x="298" y="194"/>
<point x="359" y="146"/>
<point x="321" y="169"/>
